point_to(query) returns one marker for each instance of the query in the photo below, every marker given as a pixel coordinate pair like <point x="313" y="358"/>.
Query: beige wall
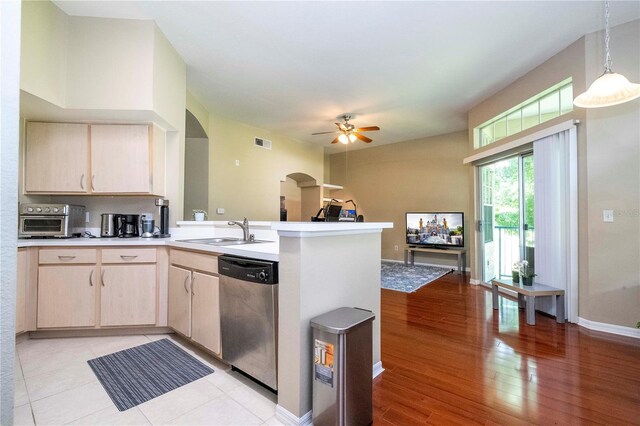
<point x="252" y="189"/>
<point x="99" y="64"/>
<point x="199" y="111"/>
<point x="390" y="180"/>
<point x="43" y="51"/>
<point x="608" y="173"/>
<point x="110" y="64"/>
<point x="612" y="293"/>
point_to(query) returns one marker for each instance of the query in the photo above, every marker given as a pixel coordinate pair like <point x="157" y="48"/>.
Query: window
<point x="549" y="104"/>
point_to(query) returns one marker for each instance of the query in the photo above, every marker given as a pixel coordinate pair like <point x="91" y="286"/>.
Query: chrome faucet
<point x="245" y="229"/>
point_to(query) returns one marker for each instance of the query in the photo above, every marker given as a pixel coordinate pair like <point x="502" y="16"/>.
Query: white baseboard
<point x="286" y="417"/>
<point x="474" y="281"/>
<point x="454" y="267"/>
<point x="609" y="328"/>
<point x="377" y="369"/>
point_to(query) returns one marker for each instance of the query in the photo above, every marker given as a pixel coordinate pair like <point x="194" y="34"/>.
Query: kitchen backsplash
<point x="96" y="205"/>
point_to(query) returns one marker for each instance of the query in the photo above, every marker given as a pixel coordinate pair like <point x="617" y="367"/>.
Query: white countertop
<point x="262" y="251"/>
<point x="190" y="230"/>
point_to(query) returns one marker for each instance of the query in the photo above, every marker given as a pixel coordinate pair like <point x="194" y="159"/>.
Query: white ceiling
<point x="412" y="68"/>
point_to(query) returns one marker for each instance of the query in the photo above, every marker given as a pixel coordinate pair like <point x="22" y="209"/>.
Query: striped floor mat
<point x="138" y="374"/>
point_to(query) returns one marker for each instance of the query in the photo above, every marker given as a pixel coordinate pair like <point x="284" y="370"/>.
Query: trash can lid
<point x="341" y="320"/>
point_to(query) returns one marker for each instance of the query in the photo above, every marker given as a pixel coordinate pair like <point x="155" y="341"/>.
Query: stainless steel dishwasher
<point x="249" y="316"/>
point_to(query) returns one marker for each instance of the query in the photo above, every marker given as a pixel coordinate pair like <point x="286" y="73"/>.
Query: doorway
<point x="507" y="215"/>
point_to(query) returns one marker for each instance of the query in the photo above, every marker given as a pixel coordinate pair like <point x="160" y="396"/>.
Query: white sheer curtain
<point x="556" y="220"/>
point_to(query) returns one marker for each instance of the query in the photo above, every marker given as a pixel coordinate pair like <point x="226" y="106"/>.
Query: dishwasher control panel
<point x="251" y="270"/>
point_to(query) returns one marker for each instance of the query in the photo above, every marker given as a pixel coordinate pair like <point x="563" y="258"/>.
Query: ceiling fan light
<point x="343" y="139"/>
<point x="352" y="137"/>
<point x="609" y="89"/>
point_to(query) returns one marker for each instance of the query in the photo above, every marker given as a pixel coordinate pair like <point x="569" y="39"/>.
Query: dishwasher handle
<point x="251" y="270"/>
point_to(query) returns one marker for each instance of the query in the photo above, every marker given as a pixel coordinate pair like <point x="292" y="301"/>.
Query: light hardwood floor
<point x="451" y="359"/>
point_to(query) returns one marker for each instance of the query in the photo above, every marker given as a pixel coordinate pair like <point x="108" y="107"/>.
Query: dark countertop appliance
<point x="51" y="221"/>
<point x="128" y="225"/>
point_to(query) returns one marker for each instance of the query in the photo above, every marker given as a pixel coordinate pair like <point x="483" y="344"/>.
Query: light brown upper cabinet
<point x="57" y="158"/>
<point x="94" y="159"/>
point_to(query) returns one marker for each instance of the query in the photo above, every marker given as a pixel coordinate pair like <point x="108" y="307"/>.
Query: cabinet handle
<point x="102" y="277"/>
<point x="91" y="278"/>
<point x="185" y="283"/>
<point x="63" y="258"/>
<point x="128" y="257"/>
<point x="82" y="182"/>
<point x="93" y="178"/>
<point x="193" y="280"/>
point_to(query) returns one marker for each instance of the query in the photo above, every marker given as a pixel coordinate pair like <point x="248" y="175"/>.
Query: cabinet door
<point x="205" y="311"/>
<point x="57" y="157"/>
<point x="180" y="300"/>
<point x="66" y="296"/>
<point x="21" y="288"/>
<point x="128" y="295"/>
<point x="120" y="159"/>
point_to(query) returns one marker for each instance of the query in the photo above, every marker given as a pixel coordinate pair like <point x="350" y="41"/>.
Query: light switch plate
<point x="220" y="210"/>
<point x="87" y="217"/>
<point x="607" y="215"/>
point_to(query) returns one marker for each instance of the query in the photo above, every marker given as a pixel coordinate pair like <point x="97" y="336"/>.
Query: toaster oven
<point x="51" y="220"/>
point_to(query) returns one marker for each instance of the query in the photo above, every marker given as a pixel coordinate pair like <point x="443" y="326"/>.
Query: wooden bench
<point x="409" y="252"/>
<point x="527" y="296"/>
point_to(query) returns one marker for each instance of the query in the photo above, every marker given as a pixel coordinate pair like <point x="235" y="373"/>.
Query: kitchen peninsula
<point x="323" y="266"/>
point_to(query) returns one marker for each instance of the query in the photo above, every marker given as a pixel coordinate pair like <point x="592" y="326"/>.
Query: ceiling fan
<point x="348" y="132"/>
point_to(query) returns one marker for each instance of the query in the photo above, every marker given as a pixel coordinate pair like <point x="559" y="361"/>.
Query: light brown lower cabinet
<point x="194" y="298"/>
<point x="93" y="287"/>
<point x="205" y="311"/>
<point x="128" y="295"/>
<point x="66" y="296"/>
<point x="180" y="300"/>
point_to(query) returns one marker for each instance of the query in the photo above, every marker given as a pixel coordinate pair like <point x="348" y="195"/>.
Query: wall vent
<point x="262" y="143"/>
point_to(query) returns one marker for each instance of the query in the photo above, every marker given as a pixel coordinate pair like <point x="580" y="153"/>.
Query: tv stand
<point x="409" y="255"/>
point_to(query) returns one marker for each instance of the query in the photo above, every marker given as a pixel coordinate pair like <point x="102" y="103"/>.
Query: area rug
<point x="397" y="276"/>
<point x="138" y="374"/>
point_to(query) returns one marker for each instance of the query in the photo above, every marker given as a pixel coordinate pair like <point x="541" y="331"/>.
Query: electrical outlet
<point x="607" y="215"/>
<point x="395" y="247"/>
<point x="237" y="162"/>
<point x="219" y="210"/>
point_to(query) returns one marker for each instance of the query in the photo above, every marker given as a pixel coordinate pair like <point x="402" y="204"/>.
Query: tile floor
<point x="55" y="386"/>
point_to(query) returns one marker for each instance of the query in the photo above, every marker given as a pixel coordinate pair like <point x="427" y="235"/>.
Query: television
<point x="435" y="229"/>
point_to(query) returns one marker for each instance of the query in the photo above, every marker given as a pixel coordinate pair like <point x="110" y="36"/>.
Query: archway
<point x="196" y="167"/>
<point x="299" y="197"/>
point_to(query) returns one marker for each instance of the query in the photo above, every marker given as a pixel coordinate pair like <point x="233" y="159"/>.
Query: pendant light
<point x="610" y="88"/>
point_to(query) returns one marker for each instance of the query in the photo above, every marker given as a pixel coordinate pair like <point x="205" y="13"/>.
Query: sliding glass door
<point x="507" y="203"/>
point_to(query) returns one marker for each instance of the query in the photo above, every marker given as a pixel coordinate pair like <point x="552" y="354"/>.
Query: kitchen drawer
<point x="193" y="260"/>
<point x="144" y="255"/>
<point x="64" y="256"/>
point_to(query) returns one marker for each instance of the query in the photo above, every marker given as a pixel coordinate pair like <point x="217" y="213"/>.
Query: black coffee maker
<point x="128" y="225"/>
<point x="164" y="218"/>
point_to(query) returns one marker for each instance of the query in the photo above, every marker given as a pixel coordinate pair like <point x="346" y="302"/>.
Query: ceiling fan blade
<point x="335" y="140"/>
<point x="367" y="129"/>
<point x="325" y="133"/>
<point x="361" y="137"/>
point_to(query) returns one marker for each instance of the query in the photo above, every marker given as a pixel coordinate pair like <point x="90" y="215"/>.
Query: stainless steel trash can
<point x="343" y="367"/>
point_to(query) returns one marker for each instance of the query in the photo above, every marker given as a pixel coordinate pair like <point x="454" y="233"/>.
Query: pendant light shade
<point x="610" y="88"/>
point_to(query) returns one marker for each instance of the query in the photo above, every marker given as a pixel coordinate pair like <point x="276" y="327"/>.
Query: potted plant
<point x="526" y="273"/>
<point x="515" y="272"/>
<point x="199" y="215"/>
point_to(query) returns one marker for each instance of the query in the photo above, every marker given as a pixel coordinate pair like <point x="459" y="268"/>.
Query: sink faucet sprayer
<point x="245" y="229"/>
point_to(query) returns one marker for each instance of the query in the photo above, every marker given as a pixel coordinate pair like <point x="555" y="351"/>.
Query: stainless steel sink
<point x="223" y="241"/>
